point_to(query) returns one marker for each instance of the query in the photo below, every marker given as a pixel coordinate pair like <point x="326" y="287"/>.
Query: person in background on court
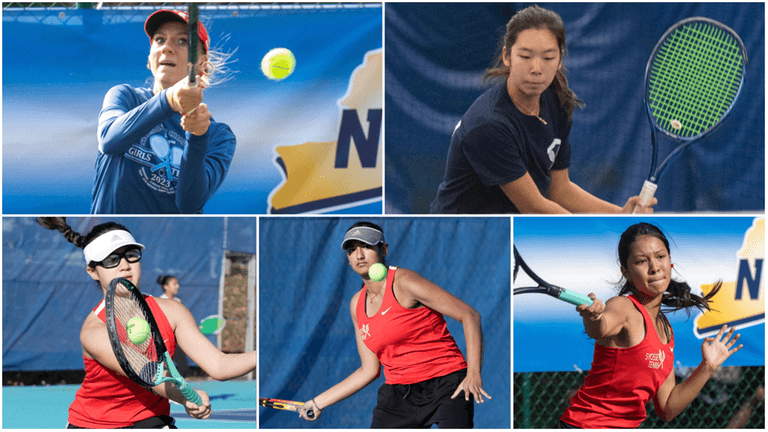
<point x="170" y="286"/>
<point x="428" y="380"/>
<point x="108" y="399"/>
<point x="510" y="153"/>
<point x="634" y="344"/>
<point x="160" y="151"/>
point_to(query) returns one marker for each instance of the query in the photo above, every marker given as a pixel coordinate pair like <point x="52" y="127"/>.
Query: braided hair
<point x="60" y="224"/>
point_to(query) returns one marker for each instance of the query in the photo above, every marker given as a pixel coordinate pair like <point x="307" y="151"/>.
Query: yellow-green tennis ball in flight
<point x="278" y="63"/>
<point x="377" y="272"/>
<point x="138" y="330"/>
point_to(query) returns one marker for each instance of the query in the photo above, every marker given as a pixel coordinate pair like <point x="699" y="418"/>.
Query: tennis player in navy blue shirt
<point x="510" y="152"/>
<point x="160" y="152"/>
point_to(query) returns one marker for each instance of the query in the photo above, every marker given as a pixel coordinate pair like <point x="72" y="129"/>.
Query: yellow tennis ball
<point x="278" y="63"/>
<point x="377" y="272"/>
<point x="138" y="330"/>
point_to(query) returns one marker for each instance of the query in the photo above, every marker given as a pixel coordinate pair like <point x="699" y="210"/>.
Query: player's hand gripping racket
<point x="544" y="287"/>
<point x="145" y="363"/>
<point x="692" y="81"/>
<point x="284" y="405"/>
<point x="194" y="40"/>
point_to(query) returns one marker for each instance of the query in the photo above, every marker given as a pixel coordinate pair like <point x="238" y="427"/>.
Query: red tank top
<point x="107" y="400"/>
<point x="413" y="345"/>
<point x="622" y="381"/>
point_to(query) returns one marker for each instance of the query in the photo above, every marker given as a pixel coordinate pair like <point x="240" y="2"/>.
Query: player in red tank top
<point x="634" y="344"/>
<point x="399" y="324"/>
<point x="110" y="252"/>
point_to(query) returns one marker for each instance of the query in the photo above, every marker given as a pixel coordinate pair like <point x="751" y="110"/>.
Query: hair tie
<point x="316" y="405"/>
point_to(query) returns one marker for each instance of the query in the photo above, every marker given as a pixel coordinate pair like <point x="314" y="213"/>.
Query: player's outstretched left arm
<point x="218" y="365"/>
<point x="431" y="295"/>
<point x="672" y="399"/>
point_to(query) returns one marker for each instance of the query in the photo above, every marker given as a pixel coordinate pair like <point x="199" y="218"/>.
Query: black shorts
<point x="423" y="404"/>
<point x="563" y="425"/>
<point x="156" y="422"/>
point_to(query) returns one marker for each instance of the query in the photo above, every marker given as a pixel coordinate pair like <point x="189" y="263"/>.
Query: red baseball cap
<point x="160" y="17"/>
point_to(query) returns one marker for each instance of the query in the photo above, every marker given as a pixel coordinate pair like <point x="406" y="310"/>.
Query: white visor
<point x="107" y="243"/>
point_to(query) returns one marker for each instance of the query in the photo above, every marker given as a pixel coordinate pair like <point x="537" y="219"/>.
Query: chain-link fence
<point x="733" y="398"/>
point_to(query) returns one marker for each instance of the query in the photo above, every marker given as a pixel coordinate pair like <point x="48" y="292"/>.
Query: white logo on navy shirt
<point x="456" y="128"/>
<point x="552" y="151"/>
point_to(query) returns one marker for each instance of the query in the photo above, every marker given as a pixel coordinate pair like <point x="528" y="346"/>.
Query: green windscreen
<point x="694" y="78"/>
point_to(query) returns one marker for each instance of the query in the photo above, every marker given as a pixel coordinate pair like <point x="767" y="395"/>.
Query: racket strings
<point x="715" y="90"/>
<point x="702" y="90"/>
<point x="705" y="96"/>
<point x="701" y="67"/>
<point x="142" y="357"/>
<point x="694" y="79"/>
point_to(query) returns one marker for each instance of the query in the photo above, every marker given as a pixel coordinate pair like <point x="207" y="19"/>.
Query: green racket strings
<point x="694" y="79"/>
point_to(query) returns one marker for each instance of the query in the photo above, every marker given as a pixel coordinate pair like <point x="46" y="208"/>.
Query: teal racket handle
<point x="575" y="298"/>
<point x="189" y="393"/>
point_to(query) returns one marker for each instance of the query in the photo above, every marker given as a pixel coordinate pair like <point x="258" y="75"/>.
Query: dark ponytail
<point x="60" y="224"/>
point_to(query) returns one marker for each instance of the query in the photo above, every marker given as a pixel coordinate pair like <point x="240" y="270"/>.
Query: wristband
<point x="316" y="405"/>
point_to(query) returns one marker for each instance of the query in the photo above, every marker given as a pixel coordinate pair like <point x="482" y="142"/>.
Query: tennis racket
<point x="692" y="80"/>
<point x="212" y="325"/>
<point x="144" y="363"/>
<point x="544" y="287"/>
<point x="284" y="405"/>
<point x="194" y="40"/>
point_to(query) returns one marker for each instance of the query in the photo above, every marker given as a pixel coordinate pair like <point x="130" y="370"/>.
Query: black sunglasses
<point x="113" y="259"/>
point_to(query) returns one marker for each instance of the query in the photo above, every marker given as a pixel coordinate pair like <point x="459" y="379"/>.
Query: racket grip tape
<point x="574" y="298"/>
<point x="190" y="394"/>
<point x="649" y="189"/>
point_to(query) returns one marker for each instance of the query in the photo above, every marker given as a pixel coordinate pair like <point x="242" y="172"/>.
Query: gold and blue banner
<point x="341" y="173"/>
